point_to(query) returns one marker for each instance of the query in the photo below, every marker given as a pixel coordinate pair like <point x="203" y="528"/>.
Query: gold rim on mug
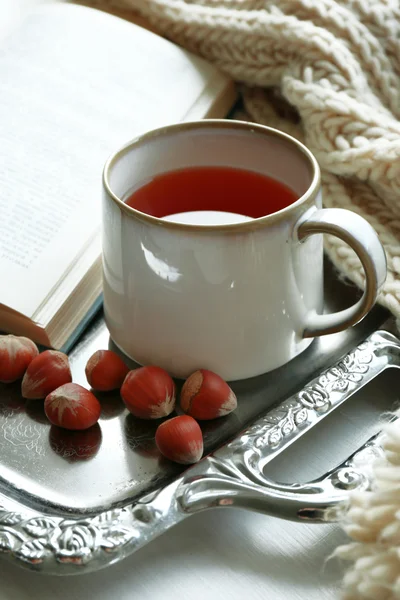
<point x="306" y="199"/>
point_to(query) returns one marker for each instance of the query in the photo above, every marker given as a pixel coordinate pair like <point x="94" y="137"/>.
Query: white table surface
<point x="223" y="553"/>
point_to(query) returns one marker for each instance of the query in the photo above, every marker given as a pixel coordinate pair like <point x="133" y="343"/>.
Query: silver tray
<point x="72" y="502"/>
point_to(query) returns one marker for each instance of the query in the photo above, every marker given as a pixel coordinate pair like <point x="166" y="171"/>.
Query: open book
<point x="75" y="84"/>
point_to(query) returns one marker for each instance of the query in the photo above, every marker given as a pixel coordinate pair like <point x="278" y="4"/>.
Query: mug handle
<point x="362" y="238"/>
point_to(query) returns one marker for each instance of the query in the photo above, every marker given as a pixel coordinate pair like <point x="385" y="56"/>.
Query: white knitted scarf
<point x="328" y="73"/>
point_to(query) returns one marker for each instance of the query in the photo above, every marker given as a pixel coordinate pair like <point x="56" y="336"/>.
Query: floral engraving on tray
<point x="314" y="399"/>
<point x="18" y="432"/>
<point x="32" y="540"/>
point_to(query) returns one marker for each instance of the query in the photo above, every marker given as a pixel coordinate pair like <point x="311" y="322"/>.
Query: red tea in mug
<point x="221" y="189"/>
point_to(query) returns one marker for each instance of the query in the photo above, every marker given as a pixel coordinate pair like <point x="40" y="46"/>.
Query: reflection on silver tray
<point x="83" y="500"/>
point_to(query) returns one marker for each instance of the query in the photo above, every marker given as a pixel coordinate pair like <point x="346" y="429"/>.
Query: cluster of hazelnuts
<point x="148" y="392"/>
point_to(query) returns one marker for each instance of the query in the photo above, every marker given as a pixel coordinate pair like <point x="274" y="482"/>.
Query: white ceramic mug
<point x="239" y="299"/>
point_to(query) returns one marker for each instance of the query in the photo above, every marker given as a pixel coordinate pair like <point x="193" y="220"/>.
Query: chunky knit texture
<point x="328" y="73"/>
<point x="373" y="522"/>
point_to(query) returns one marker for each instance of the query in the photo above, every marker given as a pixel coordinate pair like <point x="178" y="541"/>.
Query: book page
<point x="75" y="84"/>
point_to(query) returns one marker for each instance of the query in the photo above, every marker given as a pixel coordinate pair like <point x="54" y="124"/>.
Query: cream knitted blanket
<point x="334" y="67"/>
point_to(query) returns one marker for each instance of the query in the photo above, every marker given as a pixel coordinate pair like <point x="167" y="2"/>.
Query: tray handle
<point x="321" y="500"/>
